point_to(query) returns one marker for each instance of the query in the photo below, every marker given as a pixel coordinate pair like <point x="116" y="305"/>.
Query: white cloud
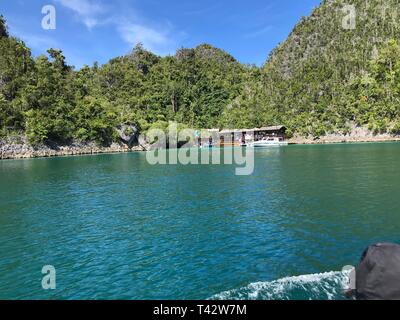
<point x="87" y="10"/>
<point x="38" y="42"/>
<point x="90" y="22"/>
<point x="259" y="32"/>
<point x="83" y="7"/>
<point x="130" y="26"/>
<point x="152" y="39"/>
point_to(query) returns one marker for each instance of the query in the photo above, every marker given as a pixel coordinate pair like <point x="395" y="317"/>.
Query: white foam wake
<point x="322" y="286"/>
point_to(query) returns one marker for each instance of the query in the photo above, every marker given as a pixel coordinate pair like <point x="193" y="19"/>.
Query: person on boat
<point x="377" y="276"/>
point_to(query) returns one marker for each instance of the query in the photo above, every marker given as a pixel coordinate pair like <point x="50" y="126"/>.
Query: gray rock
<point x="128" y="134"/>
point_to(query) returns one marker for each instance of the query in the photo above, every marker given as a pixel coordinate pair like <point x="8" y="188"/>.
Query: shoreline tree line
<point x="320" y="80"/>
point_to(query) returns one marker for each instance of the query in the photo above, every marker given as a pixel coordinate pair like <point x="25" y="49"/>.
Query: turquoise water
<point x="114" y="226"/>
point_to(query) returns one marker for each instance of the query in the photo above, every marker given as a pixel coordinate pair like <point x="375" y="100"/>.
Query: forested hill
<point x="324" y="78"/>
<point x="49" y="101"/>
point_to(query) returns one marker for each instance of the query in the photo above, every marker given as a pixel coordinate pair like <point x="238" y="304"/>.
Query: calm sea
<point x="115" y="227"/>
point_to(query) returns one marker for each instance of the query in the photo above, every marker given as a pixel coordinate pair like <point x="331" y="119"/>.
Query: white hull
<point x="267" y="144"/>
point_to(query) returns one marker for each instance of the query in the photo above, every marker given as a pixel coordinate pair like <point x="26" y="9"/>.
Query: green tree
<point x="3" y="27"/>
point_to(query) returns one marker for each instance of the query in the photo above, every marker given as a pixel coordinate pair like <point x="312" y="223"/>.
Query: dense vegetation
<point x="325" y="78"/>
<point x="322" y="79"/>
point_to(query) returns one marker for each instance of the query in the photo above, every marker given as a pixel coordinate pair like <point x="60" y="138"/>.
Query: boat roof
<point x="271" y="128"/>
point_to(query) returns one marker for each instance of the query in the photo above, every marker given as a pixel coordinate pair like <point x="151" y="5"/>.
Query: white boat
<point x="268" y="142"/>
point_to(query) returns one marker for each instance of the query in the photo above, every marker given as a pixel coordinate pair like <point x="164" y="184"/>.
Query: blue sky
<point x="97" y="30"/>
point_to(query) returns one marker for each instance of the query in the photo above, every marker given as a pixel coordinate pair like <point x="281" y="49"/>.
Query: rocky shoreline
<point x="339" y="139"/>
<point x="19" y="149"/>
<point x="357" y="134"/>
